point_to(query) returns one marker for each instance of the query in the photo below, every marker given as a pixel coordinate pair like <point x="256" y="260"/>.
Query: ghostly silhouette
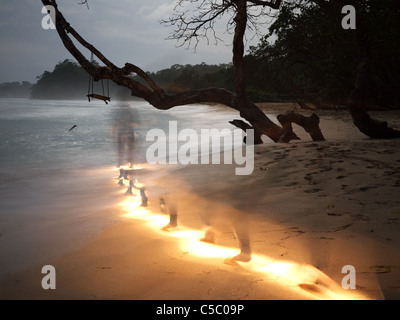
<point x="125" y="120"/>
<point x="240" y="226"/>
<point x="132" y="186"/>
<point x="169" y="205"/>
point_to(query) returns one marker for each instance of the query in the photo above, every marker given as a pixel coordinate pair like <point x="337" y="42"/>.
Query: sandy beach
<point x="309" y="209"/>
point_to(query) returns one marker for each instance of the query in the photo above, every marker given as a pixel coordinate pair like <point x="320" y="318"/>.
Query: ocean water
<point x="56" y="185"/>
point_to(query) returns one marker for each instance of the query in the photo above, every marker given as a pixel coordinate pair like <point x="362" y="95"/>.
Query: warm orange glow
<point x="134" y="167"/>
<point x="132" y="205"/>
<point x="138" y="184"/>
<point x="305" y="279"/>
<point x="203" y="249"/>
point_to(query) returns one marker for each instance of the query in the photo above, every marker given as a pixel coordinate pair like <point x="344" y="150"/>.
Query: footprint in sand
<point x="312" y="190"/>
<point x="368" y="188"/>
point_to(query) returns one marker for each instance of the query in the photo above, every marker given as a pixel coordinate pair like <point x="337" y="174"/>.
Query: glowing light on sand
<point x="277" y="268"/>
<point x="304" y="279"/>
<point x="134" y="167"/>
<point x="132" y="204"/>
<point x="207" y="250"/>
<point x="184" y="234"/>
<point x="157" y="221"/>
<point x="138" y="212"/>
<point x="138" y="184"/>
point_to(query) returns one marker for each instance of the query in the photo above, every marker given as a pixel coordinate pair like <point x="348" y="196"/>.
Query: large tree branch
<point x="118" y="75"/>
<point x="156" y="96"/>
<point x="153" y="93"/>
<point x="63" y="26"/>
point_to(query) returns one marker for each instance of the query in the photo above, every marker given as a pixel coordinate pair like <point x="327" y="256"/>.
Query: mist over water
<point x="56" y="185"/>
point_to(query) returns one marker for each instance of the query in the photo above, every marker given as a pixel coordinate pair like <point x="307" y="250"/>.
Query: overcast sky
<point x="124" y="30"/>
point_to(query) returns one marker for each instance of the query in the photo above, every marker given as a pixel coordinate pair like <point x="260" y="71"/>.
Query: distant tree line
<point x="68" y="80"/>
<point x="188" y="77"/>
<point x="15" y="89"/>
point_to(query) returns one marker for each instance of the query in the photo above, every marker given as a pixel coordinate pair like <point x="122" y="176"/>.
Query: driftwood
<point x="244" y="126"/>
<point x="310" y="124"/>
<point x="373" y="128"/>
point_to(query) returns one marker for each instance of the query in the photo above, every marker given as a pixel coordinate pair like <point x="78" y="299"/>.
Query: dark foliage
<point x="309" y="56"/>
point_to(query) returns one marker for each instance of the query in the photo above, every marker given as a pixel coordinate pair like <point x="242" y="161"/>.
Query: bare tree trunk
<point x="356" y="104"/>
<point x="238" y="50"/>
<point x="370" y="127"/>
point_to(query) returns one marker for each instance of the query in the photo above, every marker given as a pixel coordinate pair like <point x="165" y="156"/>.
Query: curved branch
<point x="64" y="27"/>
<point x="118" y="75"/>
<point x="131" y="68"/>
<point x="155" y="95"/>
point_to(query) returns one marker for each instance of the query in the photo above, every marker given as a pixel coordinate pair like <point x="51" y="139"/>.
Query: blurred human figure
<point x="139" y="187"/>
<point x="125" y="120"/>
<point x="240" y="225"/>
<point x="241" y="228"/>
<point x="168" y="204"/>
